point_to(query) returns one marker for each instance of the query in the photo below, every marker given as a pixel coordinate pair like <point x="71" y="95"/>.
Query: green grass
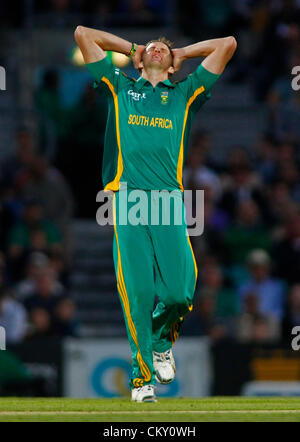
<point x="216" y="409"/>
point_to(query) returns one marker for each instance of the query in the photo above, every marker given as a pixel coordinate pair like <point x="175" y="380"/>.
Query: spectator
<point x="48" y="185"/>
<point x="214" y="307"/>
<point x="197" y="175"/>
<point x="40" y="324"/>
<point x="266" y="292"/>
<point x="46" y="293"/>
<point x="216" y="222"/>
<point x="13" y="317"/>
<point x="286" y="251"/>
<point x="241" y="183"/>
<point x="14" y="169"/>
<point x="88" y="119"/>
<point x="52" y="113"/>
<point x="213" y="282"/>
<point x="247" y="233"/>
<point x="215" y="218"/>
<point x="32" y="233"/>
<point x="289" y="174"/>
<point x="36" y="265"/>
<point x="280" y="203"/>
<point x="266" y="159"/>
<point x="283" y="105"/>
<point x="292" y="313"/>
<point x="65" y="323"/>
<point x="279" y="36"/>
<point x="10" y="211"/>
<point x="50" y="311"/>
<point x="57" y="264"/>
<point x="257" y="329"/>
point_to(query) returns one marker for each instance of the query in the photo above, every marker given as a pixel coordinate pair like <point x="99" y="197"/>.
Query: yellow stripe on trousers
<point x="137" y="382"/>
<point x="123" y="294"/>
<point x="174" y="329"/>
<point x="174" y="332"/>
<point x="195" y="264"/>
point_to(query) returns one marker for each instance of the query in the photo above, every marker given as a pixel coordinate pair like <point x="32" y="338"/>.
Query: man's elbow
<point x="230" y="44"/>
<point x="79" y="33"/>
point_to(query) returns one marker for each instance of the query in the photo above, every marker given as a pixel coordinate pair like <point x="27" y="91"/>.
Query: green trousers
<point x="152" y="259"/>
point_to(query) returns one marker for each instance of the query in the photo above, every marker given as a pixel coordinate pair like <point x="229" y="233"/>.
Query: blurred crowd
<point x="62" y="13"/>
<point x="267" y="30"/>
<point x="76" y="141"/>
<point x="249" y="255"/>
<point x="36" y="208"/>
<point x="42" y="189"/>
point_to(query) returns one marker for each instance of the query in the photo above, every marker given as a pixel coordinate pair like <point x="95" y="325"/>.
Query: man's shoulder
<point x="124" y="80"/>
<point x="127" y="78"/>
<point x="177" y="83"/>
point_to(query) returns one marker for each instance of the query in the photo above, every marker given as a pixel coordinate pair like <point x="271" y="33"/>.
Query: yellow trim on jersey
<point x="174" y="332"/>
<point x="195" y="264"/>
<point x="123" y="294"/>
<point x="180" y="158"/>
<point x="114" y="185"/>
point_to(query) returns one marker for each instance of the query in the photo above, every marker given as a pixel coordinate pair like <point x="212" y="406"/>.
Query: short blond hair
<point x="162" y="40"/>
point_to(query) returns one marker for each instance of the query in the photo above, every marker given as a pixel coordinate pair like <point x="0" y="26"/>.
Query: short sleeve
<point x="198" y="85"/>
<point x="105" y="74"/>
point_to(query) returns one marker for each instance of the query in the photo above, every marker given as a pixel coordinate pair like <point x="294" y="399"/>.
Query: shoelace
<point x="149" y="387"/>
<point x="163" y="357"/>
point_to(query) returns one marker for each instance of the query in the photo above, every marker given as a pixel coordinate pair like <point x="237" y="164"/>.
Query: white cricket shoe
<point x="143" y="394"/>
<point x="164" y="365"/>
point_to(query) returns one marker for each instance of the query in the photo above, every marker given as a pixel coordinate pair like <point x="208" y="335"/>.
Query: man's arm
<point x="93" y="43"/>
<point x="217" y="51"/>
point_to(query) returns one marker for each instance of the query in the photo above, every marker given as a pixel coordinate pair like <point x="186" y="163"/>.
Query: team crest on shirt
<point x="164" y="97"/>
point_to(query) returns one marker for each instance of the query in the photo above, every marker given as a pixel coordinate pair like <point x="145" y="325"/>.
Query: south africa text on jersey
<point x="143" y="120"/>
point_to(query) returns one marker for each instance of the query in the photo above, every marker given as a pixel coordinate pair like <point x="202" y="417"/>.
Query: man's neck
<point x="154" y="76"/>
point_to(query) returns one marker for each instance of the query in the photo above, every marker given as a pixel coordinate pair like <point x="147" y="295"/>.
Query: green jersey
<point x="148" y="129"/>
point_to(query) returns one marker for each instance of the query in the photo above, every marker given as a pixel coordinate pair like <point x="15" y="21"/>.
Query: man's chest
<point x="158" y="102"/>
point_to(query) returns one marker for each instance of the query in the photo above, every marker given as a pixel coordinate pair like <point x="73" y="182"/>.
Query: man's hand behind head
<point x="178" y="58"/>
<point x="137" y="57"/>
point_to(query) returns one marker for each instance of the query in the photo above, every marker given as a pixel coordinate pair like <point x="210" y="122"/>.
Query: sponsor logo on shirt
<point x="136" y="96"/>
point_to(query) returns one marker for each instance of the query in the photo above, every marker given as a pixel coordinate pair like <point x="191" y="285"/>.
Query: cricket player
<point x="147" y="135"/>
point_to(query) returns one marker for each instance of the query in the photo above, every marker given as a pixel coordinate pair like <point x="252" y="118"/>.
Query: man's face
<point x="259" y="271"/>
<point x="157" y="55"/>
